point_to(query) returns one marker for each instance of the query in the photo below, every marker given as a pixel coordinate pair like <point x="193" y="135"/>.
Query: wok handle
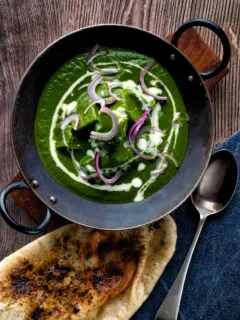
<point x="219" y="32"/>
<point x="6" y="216"/>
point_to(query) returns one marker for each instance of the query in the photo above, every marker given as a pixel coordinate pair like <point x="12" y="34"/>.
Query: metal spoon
<point x="212" y="195"/>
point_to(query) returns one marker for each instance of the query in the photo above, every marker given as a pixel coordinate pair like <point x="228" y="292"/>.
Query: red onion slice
<point x="92" y="90"/>
<point x="133" y="133"/>
<point x="110" y="134"/>
<point x="110" y="87"/>
<point x="72" y="117"/>
<point x="94" y="54"/>
<point x="143" y="85"/>
<point x="160" y="170"/>
<point x="137" y="125"/>
<point x="157" y="172"/>
<point x="136" y="130"/>
<point x="105" y="180"/>
<point x="141" y="155"/>
<point x="91" y="176"/>
<point x="101" y="102"/>
<point x="102" y="71"/>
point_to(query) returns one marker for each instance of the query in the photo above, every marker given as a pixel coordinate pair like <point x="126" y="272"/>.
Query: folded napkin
<point x="212" y="287"/>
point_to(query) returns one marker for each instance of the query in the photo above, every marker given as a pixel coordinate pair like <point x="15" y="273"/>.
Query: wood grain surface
<point x="27" y="27"/>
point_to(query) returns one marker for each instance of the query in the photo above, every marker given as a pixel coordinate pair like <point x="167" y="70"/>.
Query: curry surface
<point x="66" y="92"/>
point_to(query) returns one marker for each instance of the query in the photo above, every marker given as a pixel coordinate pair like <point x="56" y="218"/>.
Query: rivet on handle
<point x="53" y="199"/>
<point x="34" y="183"/>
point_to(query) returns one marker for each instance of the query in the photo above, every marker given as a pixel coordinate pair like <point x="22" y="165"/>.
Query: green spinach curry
<point x="111" y="126"/>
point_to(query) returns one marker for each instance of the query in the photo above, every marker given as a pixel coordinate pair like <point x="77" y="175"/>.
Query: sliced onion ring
<point x="137" y="125"/>
<point x="100" y="101"/>
<point x="110" y="134"/>
<point x="141" y="155"/>
<point x="92" y="90"/>
<point x="160" y="170"/>
<point x="94" y="54"/>
<point x="133" y="133"/>
<point x="102" y="71"/>
<point x="105" y="180"/>
<point x="143" y="85"/>
<point x="89" y="177"/>
<point x="72" y="117"/>
<point x="110" y="87"/>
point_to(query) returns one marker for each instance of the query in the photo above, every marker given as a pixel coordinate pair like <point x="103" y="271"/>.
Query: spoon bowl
<point x="218" y="184"/>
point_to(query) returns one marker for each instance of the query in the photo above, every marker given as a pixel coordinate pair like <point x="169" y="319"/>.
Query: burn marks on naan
<point x="76" y="309"/>
<point x="61" y="242"/>
<point x="57" y="273"/>
<point x="88" y="250"/>
<point x="20" y="284"/>
<point x="37" y="313"/>
<point x="79" y="273"/>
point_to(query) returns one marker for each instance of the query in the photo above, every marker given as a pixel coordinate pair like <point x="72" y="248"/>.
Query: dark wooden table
<point x="27" y="27"/>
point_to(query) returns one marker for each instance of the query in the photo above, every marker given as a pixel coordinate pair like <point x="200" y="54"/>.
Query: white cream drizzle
<point x="93" y="144"/>
<point x="141" y="166"/>
<point x="136" y="182"/>
<point x="154" y="82"/>
<point x="90" y="153"/>
<point x="140" y="194"/>
<point x="67" y="109"/>
<point x="137" y="90"/>
<point x="71" y="107"/>
<point x="83" y="86"/>
<point x="142" y="144"/>
<point x="155" y="90"/>
<point x="131" y="85"/>
<point x="123" y="166"/>
<point x="155" y="115"/>
<point x="121" y="114"/>
<point x="90" y="168"/>
<point x="154" y="122"/>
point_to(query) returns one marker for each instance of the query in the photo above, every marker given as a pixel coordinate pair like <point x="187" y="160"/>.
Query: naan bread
<point x="81" y="273"/>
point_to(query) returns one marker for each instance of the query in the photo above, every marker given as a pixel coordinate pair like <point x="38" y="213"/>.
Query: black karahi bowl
<point x="196" y="99"/>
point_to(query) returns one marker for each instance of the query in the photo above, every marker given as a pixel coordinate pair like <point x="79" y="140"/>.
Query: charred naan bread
<point x="81" y="273"/>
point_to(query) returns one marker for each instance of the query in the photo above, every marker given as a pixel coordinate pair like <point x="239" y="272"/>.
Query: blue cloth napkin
<point x="212" y="287"/>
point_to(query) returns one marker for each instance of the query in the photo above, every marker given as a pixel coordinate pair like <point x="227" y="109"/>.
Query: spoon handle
<point x="170" y="306"/>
